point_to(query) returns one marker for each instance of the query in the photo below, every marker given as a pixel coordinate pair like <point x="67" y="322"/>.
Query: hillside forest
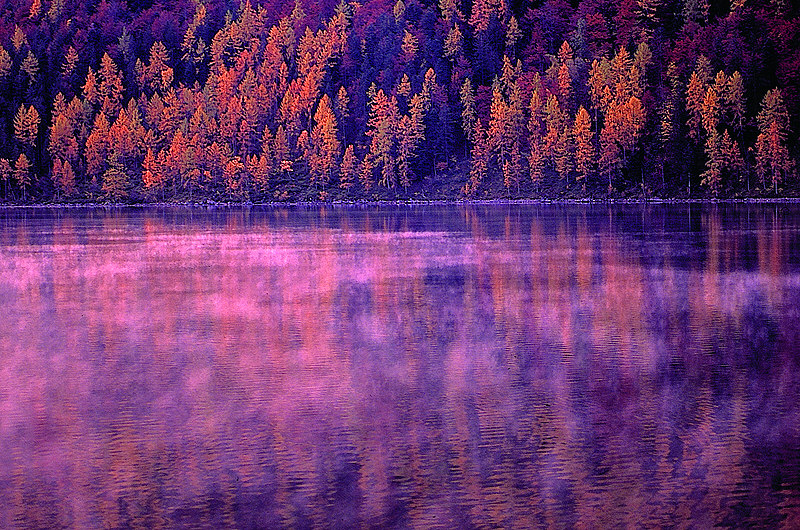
<point x="266" y="100"/>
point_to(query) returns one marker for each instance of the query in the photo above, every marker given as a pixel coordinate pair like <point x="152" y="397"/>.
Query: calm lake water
<point x="408" y="367"/>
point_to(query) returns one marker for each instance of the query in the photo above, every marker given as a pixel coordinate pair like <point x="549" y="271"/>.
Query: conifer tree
<point x="348" y="170"/>
<point x="26" y="125"/>
<point x="772" y="155"/>
<point x="584" y="148"/>
<point x="22" y="176"/>
<point x="325" y="144"/>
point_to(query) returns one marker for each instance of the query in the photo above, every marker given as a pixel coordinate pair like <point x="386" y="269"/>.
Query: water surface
<point x="437" y="366"/>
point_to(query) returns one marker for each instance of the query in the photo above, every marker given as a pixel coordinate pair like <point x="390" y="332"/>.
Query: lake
<point x="451" y="366"/>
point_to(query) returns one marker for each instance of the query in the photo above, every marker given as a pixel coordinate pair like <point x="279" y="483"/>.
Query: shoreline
<point x="411" y="202"/>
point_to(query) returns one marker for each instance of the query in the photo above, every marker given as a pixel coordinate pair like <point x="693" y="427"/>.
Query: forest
<point x="268" y="100"/>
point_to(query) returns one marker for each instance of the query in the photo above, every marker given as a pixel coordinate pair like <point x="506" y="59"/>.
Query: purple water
<point x="430" y="366"/>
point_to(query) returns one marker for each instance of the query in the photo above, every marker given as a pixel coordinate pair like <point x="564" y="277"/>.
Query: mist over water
<point x="428" y="366"/>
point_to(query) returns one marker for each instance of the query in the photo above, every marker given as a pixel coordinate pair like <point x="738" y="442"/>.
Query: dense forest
<point x="194" y="100"/>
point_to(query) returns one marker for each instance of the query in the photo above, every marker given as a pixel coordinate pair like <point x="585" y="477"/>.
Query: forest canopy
<point x="189" y="100"/>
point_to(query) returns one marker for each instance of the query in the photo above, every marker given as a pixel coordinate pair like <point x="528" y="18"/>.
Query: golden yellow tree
<point x="382" y="127"/>
<point x="584" y="148"/>
<point x="22" y="174"/>
<point x="26" y="125"/>
<point x="348" y="170"/>
<point x="773" y="162"/>
<point x="325" y="144"/>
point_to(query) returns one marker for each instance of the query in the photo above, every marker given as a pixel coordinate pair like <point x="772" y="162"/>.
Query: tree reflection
<point x="453" y="366"/>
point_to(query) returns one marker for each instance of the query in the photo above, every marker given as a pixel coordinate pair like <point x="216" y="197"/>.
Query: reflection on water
<point x="463" y="366"/>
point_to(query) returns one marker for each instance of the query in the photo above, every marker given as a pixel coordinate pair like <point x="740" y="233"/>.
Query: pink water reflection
<point x="439" y="366"/>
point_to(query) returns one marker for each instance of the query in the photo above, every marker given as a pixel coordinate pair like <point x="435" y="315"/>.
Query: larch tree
<point x="70" y="63"/>
<point x="499" y="123"/>
<point x="715" y="164"/>
<point x="584" y="147"/>
<point x="5" y="64"/>
<point x="479" y="161"/>
<point x="30" y="65"/>
<point x="22" y="174"/>
<point x="411" y="131"/>
<point x="382" y="126"/>
<point x="111" y="88"/>
<point x="565" y="64"/>
<point x="116" y="178"/>
<point x="648" y="17"/>
<point x="26" y="125"/>
<point x="454" y="43"/>
<point x="599" y="80"/>
<point x="349" y="168"/>
<point x="62" y="142"/>
<point x="158" y="75"/>
<point x="696" y="91"/>
<point x="409" y="46"/>
<point x="483" y="11"/>
<point x="97" y="147"/>
<point x="735" y="102"/>
<point x="152" y="173"/>
<point x="6" y="174"/>
<point x="63" y="177"/>
<point x="772" y="154"/>
<point x="513" y="35"/>
<point x="468" y="117"/>
<point x="536" y="155"/>
<point x="260" y="167"/>
<point x="710" y="111"/>
<point x="325" y="144"/>
<point x="233" y="174"/>
<point x="554" y="141"/>
<point x="641" y="61"/>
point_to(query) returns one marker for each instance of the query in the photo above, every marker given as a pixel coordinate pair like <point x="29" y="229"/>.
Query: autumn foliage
<point x="259" y="100"/>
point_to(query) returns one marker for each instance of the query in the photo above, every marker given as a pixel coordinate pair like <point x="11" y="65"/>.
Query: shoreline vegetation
<point x="257" y="101"/>
<point x="400" y="202"/>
